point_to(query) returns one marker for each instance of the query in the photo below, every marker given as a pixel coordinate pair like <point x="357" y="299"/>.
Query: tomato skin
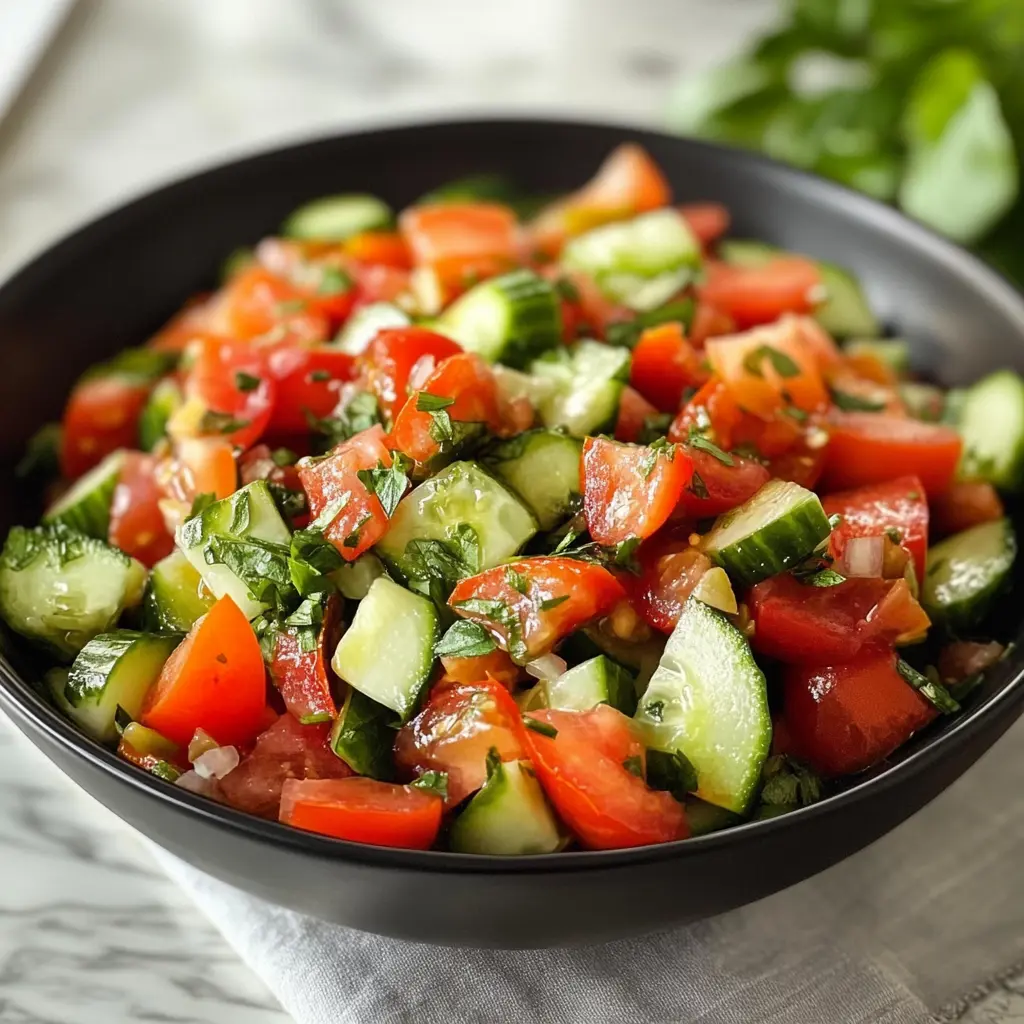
<point x="664" y="365"/>
<point x="868" y="511"/>
<point x="628" y="490"/>
<point x="460" y="723"/>
<point x="257" y="301"/>
<point x="709" y="322"/>
<point x="329" y="479"/>
<point x="497" y="666"/>
<point x="634" y="410"/>
<point x="363" y="811"/>
<point x="303" y="678"/>
<point x="202" y="465"/>
<point x="963" y="658"/>
<point x="581" y="770"/>
<point x="872" y="448"/>
<point x="386" y="248"/>
<point x="306" y="381"/>
<point x="760" y="295"/>
<point x="589" y="312"/>
<point x="967" y="503"/>
<point x="136" y="523"/>
<point x="589" y="591"/>
<point x="708" y="221"/>
<point x="726" y="486"/>
<point x="214" y="680"/>
<point x="845" y="718"/>
<point x="102" y="415"/>
<point x="380" y="283"/>
<point x="670" y="567"/>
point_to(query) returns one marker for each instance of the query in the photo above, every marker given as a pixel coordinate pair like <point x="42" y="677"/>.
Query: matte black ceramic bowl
<point x="111" y="283"/>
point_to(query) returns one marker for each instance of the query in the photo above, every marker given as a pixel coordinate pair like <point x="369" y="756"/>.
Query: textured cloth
<point x="895" y="935"/>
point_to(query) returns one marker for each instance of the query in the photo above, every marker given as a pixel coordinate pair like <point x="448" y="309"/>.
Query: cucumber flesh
<point x="708" y="700"/>
<point x="769" y="533"/>
<point x="362" y="736"/>
<point x="641" y="659"/>
<point x="335" y="218"/>
<point x="175" y="595"/>
<point x="390" y="619"/>
<point x="991" y="422"/>
<point x="966" y="572"/>
<point x="164" y="400"/>
<point x="354" y="579"/>
<point x="597" y="681"/>
<point x="85" y="505"/>
<point x="515" y="384"/>
<point x="362" y="326"/>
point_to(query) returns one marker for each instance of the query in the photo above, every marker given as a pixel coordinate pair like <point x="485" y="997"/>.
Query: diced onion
<point x="216" y="763"/>
<point x="715" y="590"/>
<point x="200" y="743"/>
<point x="863" y="556"/>
<point x="547" y="666"/>
<point x="195" y="783"/>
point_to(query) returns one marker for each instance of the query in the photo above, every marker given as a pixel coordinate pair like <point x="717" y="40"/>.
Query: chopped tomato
<point x="670" y="568"/>
<point x="201" y="465"/>
<point x="760" y="295"/>
<point x="634" y="411"/>
<point x="628" y="490"/>
<point x="182" y="328"/>
<point x="333" y="482"/>
<point x="583" y="770"/>
<point x="307" y="382"/>
<point x="851" y="388"/>
<point x="389" y="360"/>
<point x="256" y="301"/>
<point x="586" y="311"/>
<point x="847" y="717"/>
<point x="869" y="448"/>
<point x="258" y="464"/>
<point x="709" y="322"/>
<point x="967" y="503"/>
<point x="712" y="411"/>
<point x="136" y="523"/>
<point x="817" y="342"/>
<point x="871" y="367"/>
<point x="303" y="678"/>
<point x="363" y="811"/>
<point x="664" y="365"/>
<point x="453" y="733"/>
<point x="385" y="248"/>
<point x="717" y="487"/>
<point x="214" y="680"/>
<point x="803" y="462"/>
<point x="101" y="416"/>
<point x="380" y="283"/>
<point x="708" y="221"/>
<point x="497" y="665"/>
<point x="561" y="595"/>
<point x="962" y="659"/>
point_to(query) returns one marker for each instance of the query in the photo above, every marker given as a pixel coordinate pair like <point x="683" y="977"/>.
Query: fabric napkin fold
<point x="894" y="935"/>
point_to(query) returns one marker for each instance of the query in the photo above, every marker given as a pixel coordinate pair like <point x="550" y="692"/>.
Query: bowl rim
<point x="30" y="710"/>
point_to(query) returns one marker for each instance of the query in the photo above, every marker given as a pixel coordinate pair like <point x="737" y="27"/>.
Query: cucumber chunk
<point x="509" y="816"/>
<point x="85" y="505"/>
<point x="362" y="326"/>
<point x="641" y="262"/>
<point x="515" y="384"/>
<point x="60" y="588"/>
<point x="236" y="543"/>
<point x="589" y="379"/>
<point x="641" y="659"/>
<point x="703" y="817"/>
<point x="335" y="218"/>
<point x="769" y="533"/>
<point x="362" y="736"/>
<point x="991" y="422"/>
<point x="114" y="670"/>
<point x="175" y="596"/>
<point x="543" y="468"/>
<point x="388" y="651"/>
<point x="354" y="579"/>
<point x="509" y="319"/>
<point x="597" y="681"/>
<point x="164" y="400"/>
<point x="966" y="572"/>
<point x="708" y="700"/>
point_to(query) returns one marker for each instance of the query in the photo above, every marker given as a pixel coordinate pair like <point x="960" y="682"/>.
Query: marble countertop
<point x="132" y="95"/>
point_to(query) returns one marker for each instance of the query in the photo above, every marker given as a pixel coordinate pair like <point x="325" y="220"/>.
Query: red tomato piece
<point x="967" y="503"/>
<point x="586" y="311"/>
<point x="802" y="463"/>
<point x="634" y="410"/>
<point x="136" y="523"/>
<point x="256" y="302"/>
<point x="664" y="365"/>
<point x="670" y="568"/>
<point x="363" y="811"/>
<point x="387" y="248"/>
<point x="214" y="680"/>
<point x="847" y="717"/>
<point x="306" y="383"/>
<point x="583" y="774"/>
<point x="202" y="465"/>
<point x="497" y="665"/>
<point x="708" y="221"/>
<point x="712" y="411"/>
<point x="962" y="659"/>
<point x="562" y="594"/>
<point x="303" y="678"/>
<point x="460" y="723"/>
<point x="760" y="295"/>
<point x="360" y="520"/>
<point x="101" y="416"/>
<point x="628" y="490"/>
<point x="459" y="230"/>
<point x="709" y="322"/>
<point x="722" y="487"/>
<point x="870" y="448"/>
<point x="380" y="283"/>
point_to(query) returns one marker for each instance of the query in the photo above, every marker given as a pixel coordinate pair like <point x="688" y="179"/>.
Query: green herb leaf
<point x="626" y="333"/>
<point x="202" y="501"/>
<point x="504" y="620"/>
<point x="650" y="457"/>
<point x="319" y="376"/>
<point x="359" y="413"/>
<point x="671" y="771"/>
<point x="822" y="578"/>
<point x="283" y="457"/>
<point x="697" y="487"/>
<point x="122" y="719"/>
<point x="388" y="483"/>
<point x="433" y="782"/>
<point x="931" y="690"/>
<point x="290" y="502"/>
<point x="246" y="381"/>
<point x="441" y="430"/>
<point x="517" y="581"/>
<point x="544" y="728"/>
<point x="214" y="422"/>
<point x="696" y="439"/>
<point x="787" y="783"/>
<point x="553" y="602"/>
<point x="42" y="455"/>
<point x="352" y="539"/>
<point x="634" y="765"/>
<point x="433" y="567"/>
<point x="854" y="403"/>
<point x="334" y="281"/>
<point x="781" y="363"/>
<point x="566" y="289"/>
<point x="655" y="709"/>
<point x="655" y="427"/>
<point x="426" y="402"/>
<point x="465" y="639"/>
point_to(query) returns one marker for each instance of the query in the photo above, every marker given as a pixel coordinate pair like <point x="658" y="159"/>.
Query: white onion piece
<point x="216" y="763"/>
<point x="421" y="371"/>
<point x="863" y="556"/>
<point x="195" y="783"/>
<point x="547" y="666"/>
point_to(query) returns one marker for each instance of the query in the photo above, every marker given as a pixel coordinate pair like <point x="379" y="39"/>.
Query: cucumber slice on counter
<point x="509" y="319"/>
<point x="363" y="737"/>
<point x="354" y="579"/>
<point x="175" y="596"/>
<point x="769" y="533"/>
<point x="164" y="400"/>
<point x="61" y="588"/>
<point x="362" y="326"/>
<point x="589" y="379"/>
<point x="114" y="670"/>
<point x="395" y="622"/>
<point x="335" y="218"/>
<point x="597" y="681"/>
<point x="641" y="262"/>
<point x="991" y="422"/>
<point x="85" y="505"/>
<point x="543" y="468"/>
<point x="708" y="700"/>
<point x="966" y="572"/>
<point x="509" y="816"/>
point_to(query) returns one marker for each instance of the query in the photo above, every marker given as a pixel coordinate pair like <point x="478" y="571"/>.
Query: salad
<point x="504" y="526"/>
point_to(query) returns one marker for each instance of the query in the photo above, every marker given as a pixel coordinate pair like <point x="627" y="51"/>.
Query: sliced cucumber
<point x="509" y="816"/>
<point x="354" y="579"/>
<point x="335" y="218"/>
<point x="462" y="501"/>
<point x="515" y="384"/>
<point x="362" y="326"/>
<point x="114" y="670"/>
<point x="966" y="572"/>
<point x="237" y="545"/>
<point x="85" y="505"/>
<point x="703" y="817"/>
<point x="597" y="681"/>
<point x="543" y="468"/>
<point x="589" y="379"/>
<point x="509" y="319"/>
<point x="388" y="651"/>
<point x="892" y="352"/>
<point x="641" y="659"/>
<point x="769" y="533"/>
<point x="164" y="400"/>
<point x="61" y="589"/>
<point x="991" y="422"/>
<point x="362" y="736"/>
<point x="708" y="700"/>
<point x="641" y="262"/>
<point x="175" y="595"/>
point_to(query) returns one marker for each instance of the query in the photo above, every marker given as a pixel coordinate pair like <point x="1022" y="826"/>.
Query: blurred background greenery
<point x="916" y="102"/>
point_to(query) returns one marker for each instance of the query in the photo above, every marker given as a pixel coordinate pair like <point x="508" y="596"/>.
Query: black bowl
<point x="114" y="281"/>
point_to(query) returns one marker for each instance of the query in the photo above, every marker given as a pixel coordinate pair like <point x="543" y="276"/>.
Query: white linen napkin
<point x="895" y="935"/>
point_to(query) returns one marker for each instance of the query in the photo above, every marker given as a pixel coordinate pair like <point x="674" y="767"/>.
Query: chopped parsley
<point x="697" y="487"/>
<point x="696" y="439"/>
<point x="388" y="483"/>
<point x="246" y="381"/>
<point x="781" y="363"/>
<point x="649" y="459"/>
<point x="855" y="403"/>
<point x="934" y="692"/>
<point x="426" y="402"/>
<point x="553" y="602"/>
<point x="517" y="581"/>
<point x="544" y="728"/>
<point x="671" y="771"/>
<point x="352" y="539"/>
<point x="465" y="639"/>
<point x="433" y="782"/>
<point x="214" y="422"/>
<point x="334" y="281"/>
<point x="319" y="376"/>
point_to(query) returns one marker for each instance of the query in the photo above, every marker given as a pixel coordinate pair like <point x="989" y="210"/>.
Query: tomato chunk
<point x="136" y="523"/>
<point x="967" y="503"/>
<point x="664" y="365"/>
<point x="721" y="486"/>
<point x="101" y="416"/>
<point x="634" y="411"/>
<point x="381" y="247"/>
<point x="307" y="383"/>
<point x="760" y="295"/>
<point x="708" y="221"/>
<point x="583" y="773"/>
<point x="257" y="301"/>
<point x="497" y="665"/>
<point x="670" y="568"/>
<point x="303" y="678"/>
